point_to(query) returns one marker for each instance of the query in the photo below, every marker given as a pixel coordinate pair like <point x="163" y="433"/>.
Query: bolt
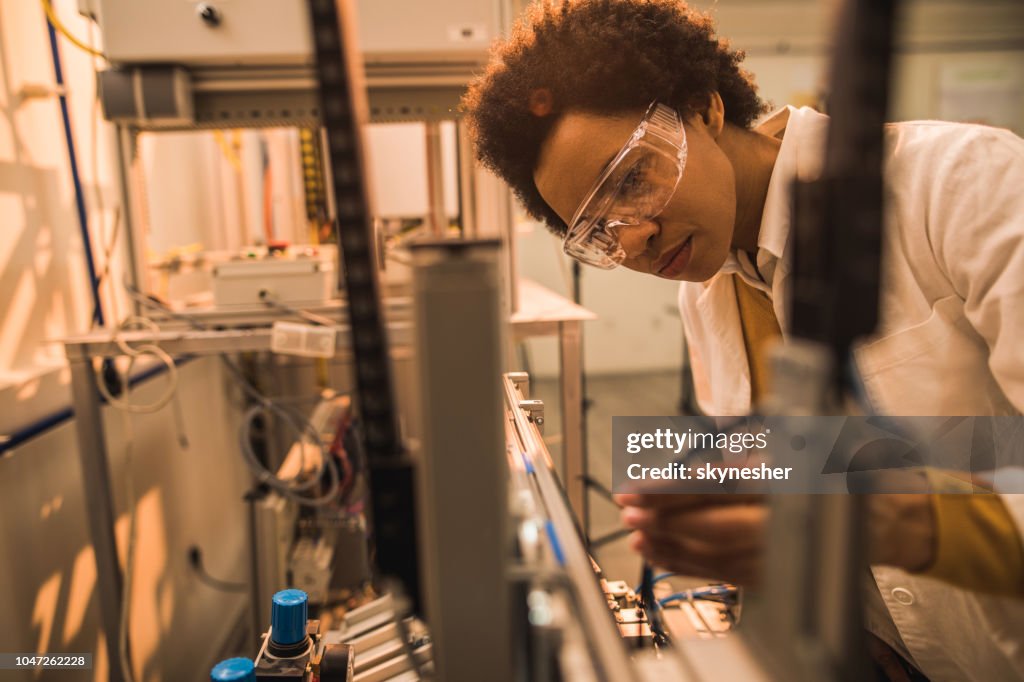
<point x="209" y="14"/>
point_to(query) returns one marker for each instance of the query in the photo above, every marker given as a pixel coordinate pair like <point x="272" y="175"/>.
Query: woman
<point x="625" y="126"/>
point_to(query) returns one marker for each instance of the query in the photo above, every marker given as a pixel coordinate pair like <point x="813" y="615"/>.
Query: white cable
<point x="135" y="353"/>
<point x="296" y="421"/>
<point x="289" y="487"/>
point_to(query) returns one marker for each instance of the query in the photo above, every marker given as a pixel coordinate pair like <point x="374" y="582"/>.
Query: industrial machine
<point x="567" y="619"/>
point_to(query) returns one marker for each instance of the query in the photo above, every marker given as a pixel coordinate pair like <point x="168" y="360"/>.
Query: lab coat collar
<point x="800" y="158"/>
<point x="802" y="131"/>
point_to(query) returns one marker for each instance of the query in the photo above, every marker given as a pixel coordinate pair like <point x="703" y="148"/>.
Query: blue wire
<point x="712" y="592"/>
<point x="83" y="220"/>
<point x="527" y="463"/>
<point x="556" y="546"/>
<point x="656" y="579"/>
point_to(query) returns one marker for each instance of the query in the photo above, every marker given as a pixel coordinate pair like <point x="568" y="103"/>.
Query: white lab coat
<point x="950" y="342"/>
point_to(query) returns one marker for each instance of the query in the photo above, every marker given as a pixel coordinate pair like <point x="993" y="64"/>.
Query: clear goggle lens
<point x="635" y="187"/>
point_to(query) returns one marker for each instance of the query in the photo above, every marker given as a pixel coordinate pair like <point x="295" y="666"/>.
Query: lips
<point x="675" y="262"/>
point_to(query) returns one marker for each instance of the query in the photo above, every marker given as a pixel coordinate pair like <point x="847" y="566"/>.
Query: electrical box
<point x="204" y="33"/>
<point x="288" y="280"/>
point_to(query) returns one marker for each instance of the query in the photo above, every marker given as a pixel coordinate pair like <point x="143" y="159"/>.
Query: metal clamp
<point x="535" y="410"/>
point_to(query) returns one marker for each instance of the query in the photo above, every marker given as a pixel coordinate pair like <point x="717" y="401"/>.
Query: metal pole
<point x="92" y="452"/>
<point x="467" y="182"/>
<point x="126" y="152"/>
<point x="570" y="350"/>
<point x="463" y="470"/>
<point x="435" y="181"/>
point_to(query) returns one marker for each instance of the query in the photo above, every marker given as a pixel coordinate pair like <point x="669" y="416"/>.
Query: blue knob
<point x="288" y="617"/>
<point x="234" y="670"/>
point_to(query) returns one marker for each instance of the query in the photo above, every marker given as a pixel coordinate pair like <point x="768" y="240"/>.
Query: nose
<point x="635" y="239"/>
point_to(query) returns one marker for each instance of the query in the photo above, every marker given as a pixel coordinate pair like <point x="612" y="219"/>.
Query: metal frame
<point x="544" y="313"/>
<point x="605" y="645"/>
<point x="284" y="97"/>
<point x="462" y="473"/>
<point x="92" y="446"/>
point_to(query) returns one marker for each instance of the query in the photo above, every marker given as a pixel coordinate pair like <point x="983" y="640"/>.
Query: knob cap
<point x="234" y="670"/>
<point x="288" y="616"/>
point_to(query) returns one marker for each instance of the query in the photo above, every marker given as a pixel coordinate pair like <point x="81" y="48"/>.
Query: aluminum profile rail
<point x="607" y="649"/>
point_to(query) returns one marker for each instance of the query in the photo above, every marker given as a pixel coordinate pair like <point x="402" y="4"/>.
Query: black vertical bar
<point x="838" y="220"/>
<point x="342" y="112"/>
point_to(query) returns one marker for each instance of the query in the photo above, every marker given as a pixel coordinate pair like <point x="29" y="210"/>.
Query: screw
<point x="209" y="14"/>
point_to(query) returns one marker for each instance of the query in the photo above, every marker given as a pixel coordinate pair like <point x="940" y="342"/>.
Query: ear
<point x="712" y="117"/>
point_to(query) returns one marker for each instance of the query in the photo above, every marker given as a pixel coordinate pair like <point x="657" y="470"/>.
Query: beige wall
<point x="184" y="496"/>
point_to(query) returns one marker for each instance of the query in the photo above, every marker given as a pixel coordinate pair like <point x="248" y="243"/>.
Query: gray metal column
<point x="573" y="465"/>
<point x="467" y="180"/>
<point x="92" y="452"/>
<point x="464" y="536"/>
<point x="134" y="246"/>
<point x="435" y="181"/>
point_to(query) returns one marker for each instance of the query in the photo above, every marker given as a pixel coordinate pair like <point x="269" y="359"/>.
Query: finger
<point x="638" y="517"/>
<point x="742" y="569"/>
<point x="693" y="557"/>
<point x="701" y="552"/>
<point x="721" y="526"/>
<point x="742" y="525"/>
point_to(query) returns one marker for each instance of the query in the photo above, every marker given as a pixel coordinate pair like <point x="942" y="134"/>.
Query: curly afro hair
<point x="603" y="57"/>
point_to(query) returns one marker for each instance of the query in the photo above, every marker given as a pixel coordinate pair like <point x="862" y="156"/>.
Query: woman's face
<point x="691" y="238"/>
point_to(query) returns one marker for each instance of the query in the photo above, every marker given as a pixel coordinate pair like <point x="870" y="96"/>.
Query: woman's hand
<point x="723" y="537"/>
<point x="720" y="537"/>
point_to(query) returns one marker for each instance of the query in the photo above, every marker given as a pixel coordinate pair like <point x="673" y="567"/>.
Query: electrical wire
<point x="650" y="605"/>
<point x="599" y="488"/>
<point x="657" y="579"/>
<point x="127" y="408"/>
<point x="109" y="242"/>
<point x="301" y="426"/>
<point x="288" y="487"/>
<point x="304" y="314"/>
<point x="76" y="180"/>
<point x="51" y="16"/>
<point x="602" y="540"/>
<point x="195" y="559"/>
<point x="134" y="353"/>
<point x="724" y="593"/>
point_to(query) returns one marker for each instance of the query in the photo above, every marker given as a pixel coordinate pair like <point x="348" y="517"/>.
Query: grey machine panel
<point x="251" y="65"/>
<point x="175" y="31"/>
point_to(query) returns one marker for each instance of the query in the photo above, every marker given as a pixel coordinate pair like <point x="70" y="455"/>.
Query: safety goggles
<point x="633" y="188"/>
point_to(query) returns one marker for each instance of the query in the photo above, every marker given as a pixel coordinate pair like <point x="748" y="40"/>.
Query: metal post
<point x="573" y="465"/>
<point x="467" y="181"/>
<point x="435" y="181"/>
<point x="127" y="147"/>
<point x="463" y="469"/>
<point x="92" y="452"/>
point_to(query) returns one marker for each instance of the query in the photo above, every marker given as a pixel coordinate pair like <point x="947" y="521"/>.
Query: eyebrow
<point x="607" y="164"/>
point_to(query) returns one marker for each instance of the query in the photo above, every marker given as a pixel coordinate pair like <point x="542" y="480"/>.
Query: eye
<point x="635" y="183"/>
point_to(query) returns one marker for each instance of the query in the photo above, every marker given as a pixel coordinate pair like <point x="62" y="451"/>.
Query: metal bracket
<point x="535" y="409"/>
